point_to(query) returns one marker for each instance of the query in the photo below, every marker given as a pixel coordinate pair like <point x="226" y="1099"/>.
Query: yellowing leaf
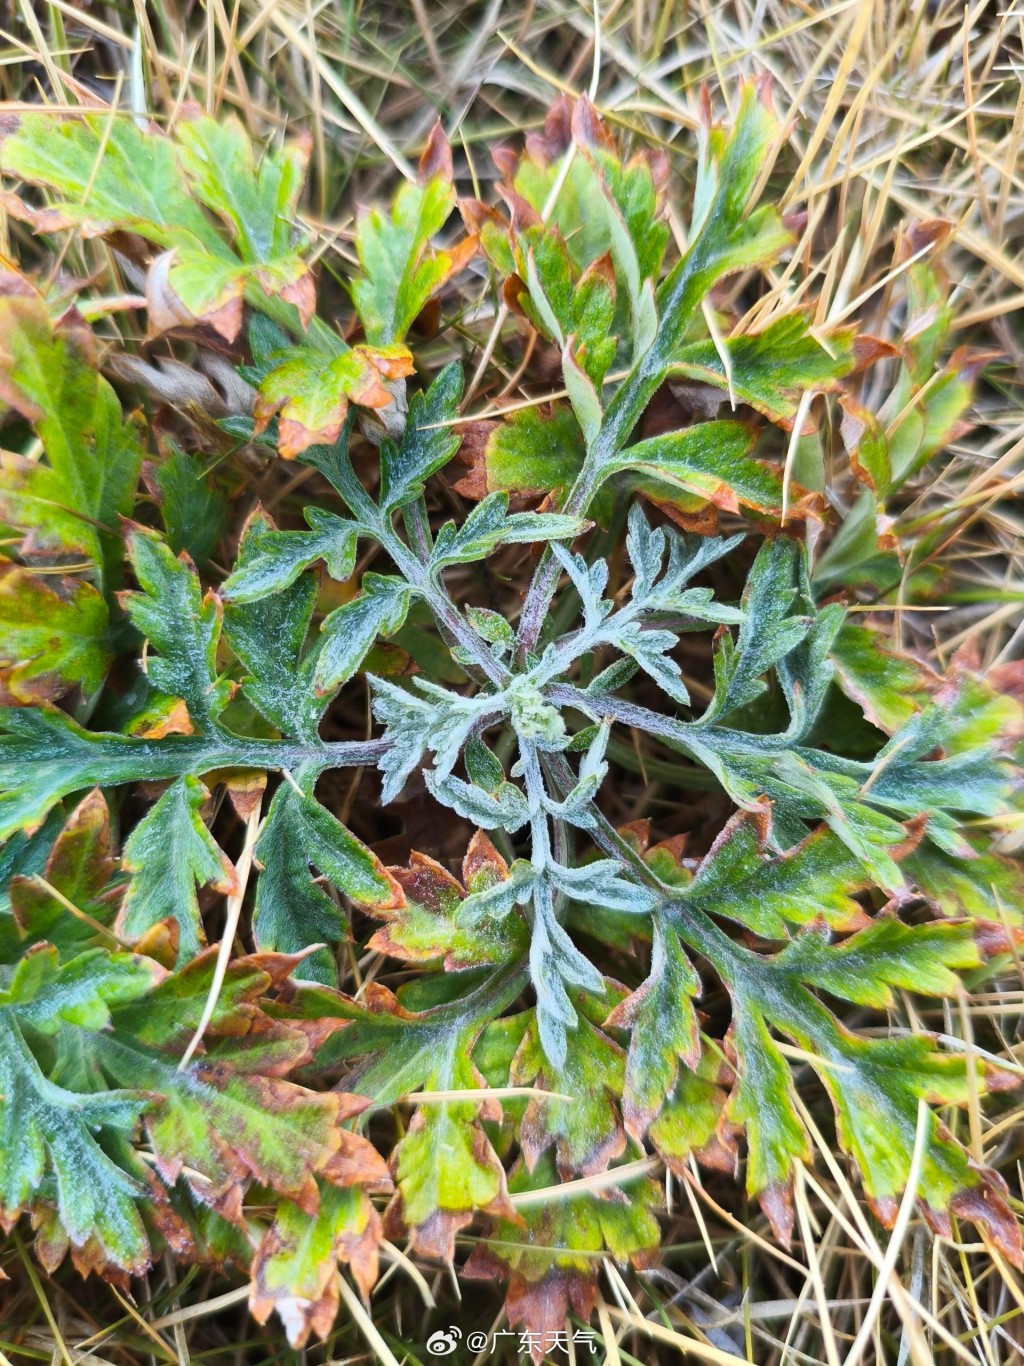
<point x="311" y="392"/>
<point x="53" y="636"/>
<point x="296" y="1267"/>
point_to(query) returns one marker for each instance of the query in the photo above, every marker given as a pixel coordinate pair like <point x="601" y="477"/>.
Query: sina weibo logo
<point x="444" y="1341"/>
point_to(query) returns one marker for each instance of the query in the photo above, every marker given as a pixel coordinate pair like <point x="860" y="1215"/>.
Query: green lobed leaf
<point x="54" y="636"/>
<point x="401" y="271"/>
<point x="78" y="868"/>
<point x="49" y="1132"/>
<point x="295" y="1271"/>
<point x="741" y="878"/>
<point x="445" y="1167"/>
<point x="277" y="559"/>
<point x="973" y="881"/>
<point x="350" y="630"/>
<point x="292" y="911"/>
<point x="711" y="460"/>
<point x="663" y="1025"/>
<point x="181" y="623"/>
<point x="169" y="853"/>
<point x="109" y="175"/>
<point x="257" y="198"/>
<point x="309" y="391"/>
<point x="551" y="1258"/>
<point x="269" y="635"/>
<point x="427" y="444"/>
<point x="692" y="1122"/>
<point x="771" y="368"/>
<point x="192" y="509"/>
<point x="431" y="925"/>
<point x="93" y="456"/>
<point x="877" y="1087"/>
<point x="585" y="1126"/>
<point x="231" y="1110"/>
<point x="889" y="687"/>
<point x="137" y="185"/>
<point x="886" y="954"/>
<point x="761" y="1102"/>
<point x="530" y="452"/>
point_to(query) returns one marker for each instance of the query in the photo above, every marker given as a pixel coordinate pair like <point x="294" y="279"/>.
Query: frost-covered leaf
<point x="193" y="510"/>
<point x="48" y="1131"/>
<point x="586" y="1127"/>
<point x="350" y="630"/>
<point x="432" y="924"/>
<point x="415" y="724"/>
<point x="742" y="879"/>
<point x="650" y="650"/>
<point x="889" y="687"/>
<point x="490" y="524"/>
<point x="506" y="808"/>
<point x="292" y="911"/>
<point x="169" y="853"/>
<point x="181" y="623"/>
<point x="269" y="636"/>
<point x="663" y="1025"/>
<point x="692" y="1122"/>
<point x="278" y="558"/>
<point x="445" y="1167"/>
<point x="711" y="460"/>
<point x="770" y="631"/>
<point x="427" y="444"/>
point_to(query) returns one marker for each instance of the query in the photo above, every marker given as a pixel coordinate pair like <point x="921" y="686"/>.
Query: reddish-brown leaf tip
<point x="777" y="1203"/>
<point x="437" y="157"/>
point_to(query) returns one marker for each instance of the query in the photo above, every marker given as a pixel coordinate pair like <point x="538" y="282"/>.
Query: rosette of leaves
<point x="514" y="980"/>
